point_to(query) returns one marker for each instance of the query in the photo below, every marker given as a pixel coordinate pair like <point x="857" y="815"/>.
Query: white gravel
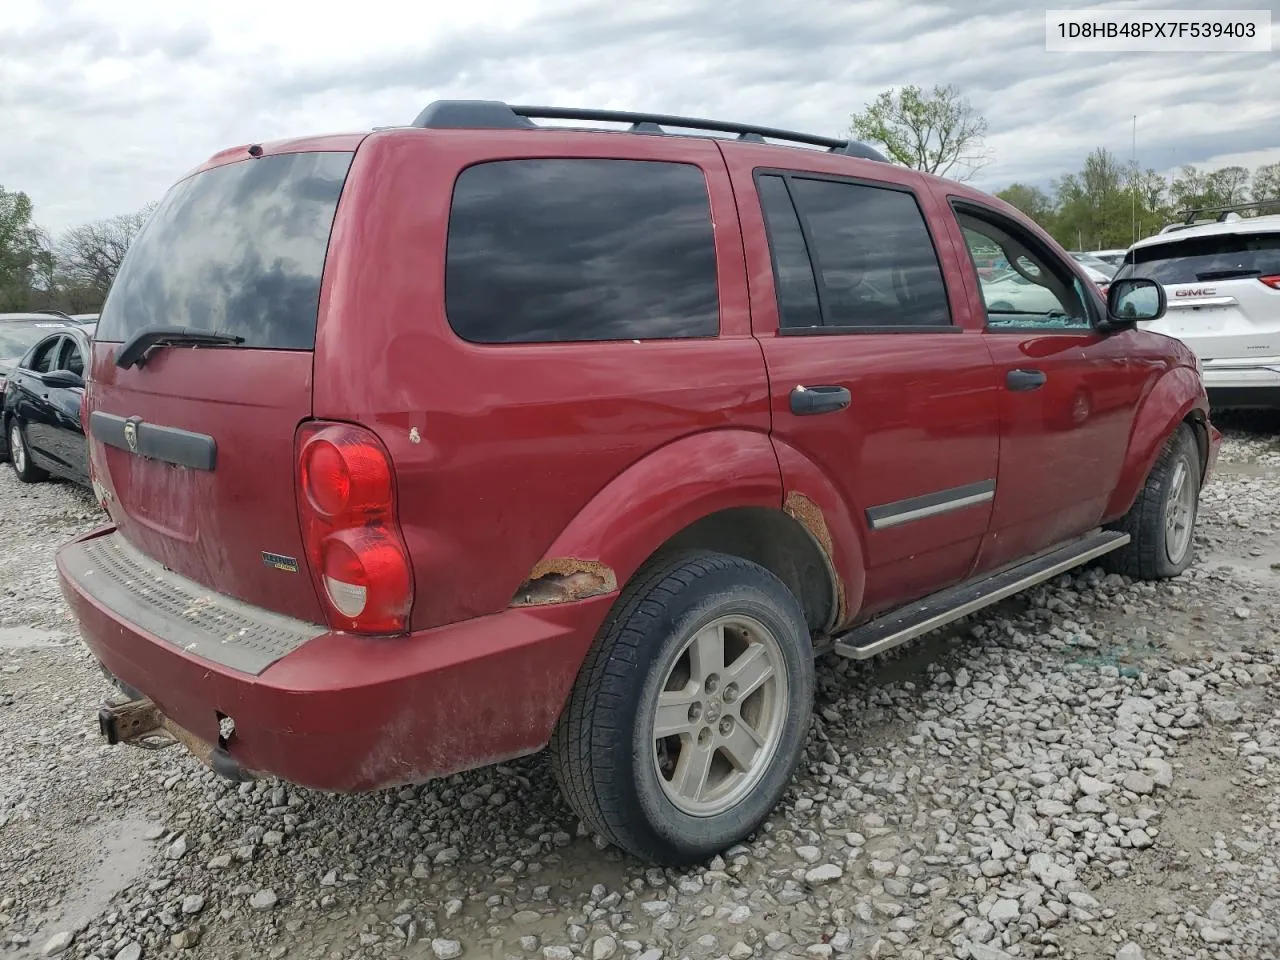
<point x="1089" y="771"/>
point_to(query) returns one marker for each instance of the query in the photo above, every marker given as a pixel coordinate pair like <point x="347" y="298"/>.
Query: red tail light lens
<point x="348" y="512"/>
<point x="1272" y="282"/>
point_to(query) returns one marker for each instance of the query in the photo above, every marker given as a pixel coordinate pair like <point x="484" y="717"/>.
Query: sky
<point x="104" y="103"/>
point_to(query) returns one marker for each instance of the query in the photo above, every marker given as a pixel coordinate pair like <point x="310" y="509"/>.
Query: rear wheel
<point x="691" y="710"/>
<point x="26" y="471"/>
<point x="1161" y="523"/>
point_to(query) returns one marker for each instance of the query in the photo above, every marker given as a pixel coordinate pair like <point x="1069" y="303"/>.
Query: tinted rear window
<point x="560" y="250"/>
<point x="238" y="248"/>
<point x="1204" y="259"/>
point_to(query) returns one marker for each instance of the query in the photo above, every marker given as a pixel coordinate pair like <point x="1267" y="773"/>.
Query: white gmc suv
<point x="1223" y="284"/>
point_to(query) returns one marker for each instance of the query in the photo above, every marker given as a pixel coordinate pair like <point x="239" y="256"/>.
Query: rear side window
<point x="569" y="250"/>
<point x="42" y="360"/>
<point x="238" y="248"/>
<point x="792" y="270"/>
<point x="1203" y="259"/>
<point x="874" y="257"/>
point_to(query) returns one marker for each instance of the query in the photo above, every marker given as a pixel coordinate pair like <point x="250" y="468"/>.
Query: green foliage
<point x="1107" y="204"/>
<point x="24" y="256"/>
<point x="72" y="275"/>
<point x="937" y="132"/>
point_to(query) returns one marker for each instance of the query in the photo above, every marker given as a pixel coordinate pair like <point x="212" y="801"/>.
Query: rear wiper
<point x="133" y="352"/>
<point x="1227" y="274"/>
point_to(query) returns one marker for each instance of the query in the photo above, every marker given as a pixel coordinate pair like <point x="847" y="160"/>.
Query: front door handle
<point x="1019" y="380"/>
<point x="807" y="401"/>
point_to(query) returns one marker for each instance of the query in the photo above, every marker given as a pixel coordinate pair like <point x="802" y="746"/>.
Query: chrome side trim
<point x="930" y="504"/>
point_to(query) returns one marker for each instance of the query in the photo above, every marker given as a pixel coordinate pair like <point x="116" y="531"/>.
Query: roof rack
<point x="57" y="313"/>
<point x="1223" y="212"/>
<point x="496" y="115"/>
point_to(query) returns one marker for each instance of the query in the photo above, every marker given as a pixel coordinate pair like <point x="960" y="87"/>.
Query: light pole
<point x="1133" y="183"/>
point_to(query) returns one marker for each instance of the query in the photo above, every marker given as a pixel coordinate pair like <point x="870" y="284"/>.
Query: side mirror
<point x="62" y="378"/>
<point x="1133" y="300"/>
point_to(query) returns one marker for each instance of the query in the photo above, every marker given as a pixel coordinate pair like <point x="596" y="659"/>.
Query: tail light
<point x="347" y="507"/>
<point x="1272" y="282"/>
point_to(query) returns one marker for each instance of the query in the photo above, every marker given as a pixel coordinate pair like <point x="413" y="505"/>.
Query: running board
<point x="939" y="609"/>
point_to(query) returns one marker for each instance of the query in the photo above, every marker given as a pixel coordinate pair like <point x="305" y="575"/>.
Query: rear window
<point x="1201" y="259"/>
<point x="581" y="249"/>
<point x="239" y="249"/>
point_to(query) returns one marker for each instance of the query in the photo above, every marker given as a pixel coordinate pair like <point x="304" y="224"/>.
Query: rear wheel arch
<point x="772" y="539"/>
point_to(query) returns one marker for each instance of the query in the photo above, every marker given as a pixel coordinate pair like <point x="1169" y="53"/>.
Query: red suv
<point x="430" y="447"/>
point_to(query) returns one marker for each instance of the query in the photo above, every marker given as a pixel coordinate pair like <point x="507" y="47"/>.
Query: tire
<point x="641" y="793"/>
<point x="1160" y="545"/>
<point x="20" y="456"/>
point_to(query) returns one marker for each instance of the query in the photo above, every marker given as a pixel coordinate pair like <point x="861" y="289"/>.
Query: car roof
<point x="1265" y="224"/>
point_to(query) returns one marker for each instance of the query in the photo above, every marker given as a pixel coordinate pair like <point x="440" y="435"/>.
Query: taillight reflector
<point x="346" y="501"/>
<point x="1272" y="282"/>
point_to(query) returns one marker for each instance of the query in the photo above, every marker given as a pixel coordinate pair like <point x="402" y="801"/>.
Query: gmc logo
<point x="1197" y="292"/>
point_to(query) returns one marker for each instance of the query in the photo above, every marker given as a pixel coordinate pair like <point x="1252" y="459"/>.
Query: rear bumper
<point x="1263" y="372"/>
<point x="347" y="713"/>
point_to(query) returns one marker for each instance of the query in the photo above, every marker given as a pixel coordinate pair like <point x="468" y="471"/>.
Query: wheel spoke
<point x="673" y="713"/>
<point x="750" y="671"/>
<point x="706" y="653"/>
<point x="692" y="769"/>
<point x="741" y="746"/>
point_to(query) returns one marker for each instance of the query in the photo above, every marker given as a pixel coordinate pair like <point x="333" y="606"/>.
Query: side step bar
<point x="939" y="609"/>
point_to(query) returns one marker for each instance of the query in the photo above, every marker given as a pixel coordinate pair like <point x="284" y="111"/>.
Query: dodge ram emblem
<point x="131" y="435"/>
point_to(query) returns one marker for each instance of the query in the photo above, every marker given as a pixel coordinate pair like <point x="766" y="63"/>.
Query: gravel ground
<point x="1090" y="770"/>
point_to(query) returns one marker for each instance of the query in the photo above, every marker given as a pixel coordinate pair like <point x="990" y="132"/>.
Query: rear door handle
<point x="1019" y="380"/>
<point x="807" y="401"/>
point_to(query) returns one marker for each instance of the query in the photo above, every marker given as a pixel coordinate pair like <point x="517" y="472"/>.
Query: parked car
<point x="1115" y="257"/>
<point x="1223" y="285"/>
<point x="1012" y="293"/>
<point x="41" y="410"/>
<point x="657" y="418"/>
<point x="1096" y="264"/>
<point x="19" y="332"/>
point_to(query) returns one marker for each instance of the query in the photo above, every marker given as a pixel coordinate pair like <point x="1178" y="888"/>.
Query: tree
<point x="1266" y="186"/>
<point x="1231" y="184"/>
<point x="89" y="256"/>
<point x="20" y="251"/>
<point x="1194" y="189"/>
<point x="1032" y="201"/>
<point x="937" y="132"/>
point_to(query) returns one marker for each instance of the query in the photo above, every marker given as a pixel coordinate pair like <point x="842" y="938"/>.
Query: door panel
<point x="914" y="452"/>
<point x="34" y="409"/>
<point x="1068" y="392"/>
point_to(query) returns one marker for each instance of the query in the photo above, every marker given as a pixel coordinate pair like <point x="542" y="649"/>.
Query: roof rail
<point x="1222" y="212"/>
<point x="496" y="115"/>
<point x="57" y="313"/>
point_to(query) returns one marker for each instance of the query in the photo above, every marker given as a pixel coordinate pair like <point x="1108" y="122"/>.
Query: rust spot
<point x="563" y="580"/>
<point x="809" y="515"/>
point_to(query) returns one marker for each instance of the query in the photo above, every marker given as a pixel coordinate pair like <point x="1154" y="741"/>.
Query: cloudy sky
<point x="103" y="103"/>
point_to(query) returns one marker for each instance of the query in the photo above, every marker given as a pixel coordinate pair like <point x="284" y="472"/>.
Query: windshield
<point x="237" y="249"/>
<point x="17" y="337"/>
<point x="1198" y="259"/>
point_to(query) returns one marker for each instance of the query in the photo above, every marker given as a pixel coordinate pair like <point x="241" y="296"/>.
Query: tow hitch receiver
<point x="140" y="723"/>
<point x="131" y="722"/>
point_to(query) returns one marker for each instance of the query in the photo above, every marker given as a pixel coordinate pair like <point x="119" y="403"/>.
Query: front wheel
<point x="691" y="710"/>
<point x="1161" y="523"/>
<point x="20" y="457"/>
